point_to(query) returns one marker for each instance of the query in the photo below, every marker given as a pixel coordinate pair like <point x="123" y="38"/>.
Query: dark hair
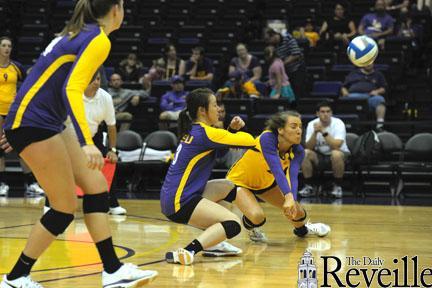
<point x="279" y="120"/>
<point x="6" y="38"/>
<point x="195" y="99"/>
<point x="87" y="11"/>
<point x="199" y="49"/>
<point x="323" y="104"/>
<point x="270" y="50"/>
<point x="270" y="32"/>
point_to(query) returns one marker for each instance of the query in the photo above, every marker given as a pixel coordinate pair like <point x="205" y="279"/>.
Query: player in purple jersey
<point x="186" y="180"/>
<point x="34" y="129"/>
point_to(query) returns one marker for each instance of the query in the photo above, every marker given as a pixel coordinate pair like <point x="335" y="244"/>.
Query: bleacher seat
<point x="326" y="89"/>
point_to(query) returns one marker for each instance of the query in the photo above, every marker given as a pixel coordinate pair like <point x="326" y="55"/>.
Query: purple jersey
<point x="193" y="162"/>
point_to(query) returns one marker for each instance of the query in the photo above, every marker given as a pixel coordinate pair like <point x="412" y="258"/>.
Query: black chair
<point x="149" y="174"/>
<point x="416" y="164"/>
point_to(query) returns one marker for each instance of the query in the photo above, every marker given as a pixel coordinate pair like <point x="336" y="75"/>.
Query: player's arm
<point x="269" y="149"/>
<point x="220" y="138"/>
<point x="88" y="61"/>
<point x="294" y="169"/>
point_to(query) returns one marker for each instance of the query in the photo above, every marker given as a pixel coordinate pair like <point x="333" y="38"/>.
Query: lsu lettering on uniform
<point x="193" y="162"/>
<point x="48" y="96"/>
<point x="9" y="77"/>
<point x="262" y="168"/>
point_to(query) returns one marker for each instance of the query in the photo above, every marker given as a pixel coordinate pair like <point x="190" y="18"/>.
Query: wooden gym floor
<point x="144" y="236"/>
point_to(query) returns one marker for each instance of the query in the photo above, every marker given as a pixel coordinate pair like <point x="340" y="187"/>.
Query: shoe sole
<point x="220" y="254"/>
<point x="137" y="283"/>
<point x="185" y="259"/>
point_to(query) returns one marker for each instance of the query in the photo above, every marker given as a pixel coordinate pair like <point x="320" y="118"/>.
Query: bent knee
<point x="337" y="155"/>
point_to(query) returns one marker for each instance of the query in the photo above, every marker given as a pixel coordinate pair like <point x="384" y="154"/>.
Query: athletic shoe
<point x="34" y="189"/>
<point x="337" y="191"/>
<point x="222" y="249"/>
<point x="117" y="210"/>
<point x="46" y="209"/>
<point x="181" y="256"/>
<point x="256" y="235"/>
<point x="128" y="276"/>
<point x="22" y="282"/>
<point x="319" y="229"/>
<point x="4" y="189"/>
<point x="307" y="191"/>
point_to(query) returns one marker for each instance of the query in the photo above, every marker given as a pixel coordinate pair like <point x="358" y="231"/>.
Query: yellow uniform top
<point x="9" y="77"/>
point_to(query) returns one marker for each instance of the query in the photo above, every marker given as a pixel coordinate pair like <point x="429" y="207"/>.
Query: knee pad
<point x="2" y="153"/>
<point x="96" y="203"/>
<point x="56" y="222"/>
<point x="301" y="219"/>
<point x="232" y="228"/>
<point x="231" y="195"/>
<point x="301" y="231"/>
<point x="249" y="225"/>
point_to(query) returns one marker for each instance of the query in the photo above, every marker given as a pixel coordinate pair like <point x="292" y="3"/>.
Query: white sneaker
<point x="46" y="209"/>
<point x="34" y="189"/>
<point x="222" y="249"/>
<point x="319" y="229"/>
<point x="117" y="211"/>
<point x="4" y="189"/>
<point x="337" y="191"/>
<point x="181" y="256"/>
<point x="22" y="282"/>
<point x="307" y="191"/>
<point x="256" y="235"/>
<point x="129" y="275"/>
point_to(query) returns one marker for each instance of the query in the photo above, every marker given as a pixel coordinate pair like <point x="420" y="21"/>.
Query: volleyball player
<point x="185" y="182"/>
<point x="11" y="72"/>
<point x="269" y="171"/>
<point x="34" y="129"/>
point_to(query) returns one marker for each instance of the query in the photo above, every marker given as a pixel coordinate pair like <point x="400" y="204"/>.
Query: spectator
<point x="99" y="108"/>
<point x="367" y="83"/>
<point x="246" y="64"/>
<point x="12" y="72"/>
<point x="123" y="99"/>
<point x="130" y="68"/>
<point x="407" y="29"/>
<point x="174" y="101"/>
<point x="401" y="5"/>
<point x="165" y="67"/>
<point x="308" y="32"/>
<point x="325" y="143"/>
<point x="278" y="79"/>
<point x="199" y="67"/>
<point x="339" y="27"/>
<point x="236" y="87"/>
<point x="377" y="25"/>
<point x="233" y="154"/>
<point x="289" y="51"/>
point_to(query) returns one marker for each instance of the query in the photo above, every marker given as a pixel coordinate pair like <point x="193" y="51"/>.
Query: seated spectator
<point x="377" y="25"/>
<point x="123" y="99"/>
<point x="165" y="67"/>
<point x="233" y="154"/>
<point x="174" y="101"/>
<point x="401" y="5"/>
<point x="236" y="87"/>
<point x="325" y="144"/>
<point x="129" y="69"/>
<point x="199" y="67"/>
<point x="308" y="32"/>
<point x="278" y="79"/>
<point x="246" y="63"/>
<point x="367" y="83"/>
<point x="339" y="27"/>
<point x="406" y="28"/>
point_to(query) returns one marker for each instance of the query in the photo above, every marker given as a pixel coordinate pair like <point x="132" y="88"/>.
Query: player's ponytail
<point x="87" y="11"/>
<point x="279" y="120"/>
<point x="195" y="99"/>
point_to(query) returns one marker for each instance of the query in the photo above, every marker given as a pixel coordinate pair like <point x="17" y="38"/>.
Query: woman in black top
<point x="339" y="27"/>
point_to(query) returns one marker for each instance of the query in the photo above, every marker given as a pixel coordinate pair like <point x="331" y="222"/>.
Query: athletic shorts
<point x="22" y="137"/>
<point x="183" y="215"/>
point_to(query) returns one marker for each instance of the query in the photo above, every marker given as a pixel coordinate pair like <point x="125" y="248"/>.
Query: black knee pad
<point x="56" y="222"/>
<point x="232" y="228"/>
<point x="249" y="225"/>
<point x="96" y="203"/>
<point x="2" y="153"/>
<point x="301" y="231"/>
<point x="231" y="195"/>
<point x="301" y="219"/>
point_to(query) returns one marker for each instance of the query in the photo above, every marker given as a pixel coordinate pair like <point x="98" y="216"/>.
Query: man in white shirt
<point x="325" y="143"/>
<point x="99" y="108"/>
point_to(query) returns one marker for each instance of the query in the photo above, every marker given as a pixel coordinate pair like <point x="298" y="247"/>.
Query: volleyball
<point x="362" y="51"/>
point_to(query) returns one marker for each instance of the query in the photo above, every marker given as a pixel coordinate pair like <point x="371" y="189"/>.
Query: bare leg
<point x="310" y="160"/>
<point x="338" y="163"/>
